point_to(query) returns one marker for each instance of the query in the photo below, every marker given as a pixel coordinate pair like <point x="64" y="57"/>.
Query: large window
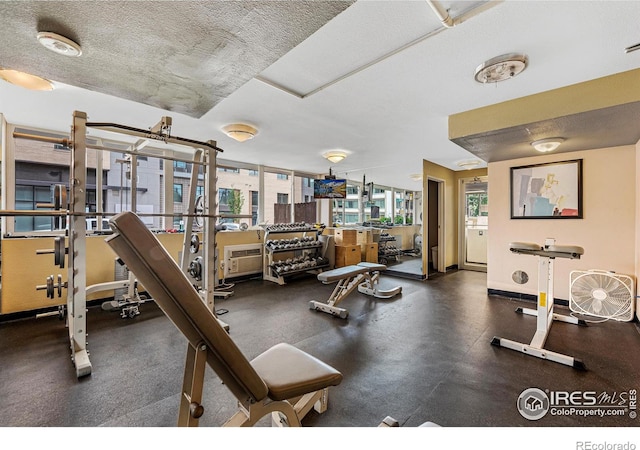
<point x="235" y="193"/>
<point x="27" y="198"/>
<point x="288" y="196"/>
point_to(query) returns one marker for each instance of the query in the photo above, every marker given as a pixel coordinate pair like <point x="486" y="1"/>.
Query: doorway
<point x="474" y="223"/>
<point x="433" y="227"/>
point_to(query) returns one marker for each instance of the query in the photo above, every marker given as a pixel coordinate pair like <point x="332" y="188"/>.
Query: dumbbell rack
<point x="297" y="250"/>
<point x="385" y="252"/>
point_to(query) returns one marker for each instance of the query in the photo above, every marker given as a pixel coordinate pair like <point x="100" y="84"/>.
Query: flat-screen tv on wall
<point x="329" y="188"/>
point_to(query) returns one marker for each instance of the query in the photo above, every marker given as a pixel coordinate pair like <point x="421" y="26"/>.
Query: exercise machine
<point x="365" y="276"/>
<point x="283" y="381"/>
<point x="545" y="302"/>
<point x="202" y="155"/>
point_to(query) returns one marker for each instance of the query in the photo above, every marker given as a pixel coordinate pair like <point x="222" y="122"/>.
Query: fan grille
<point x="602" y="294"/>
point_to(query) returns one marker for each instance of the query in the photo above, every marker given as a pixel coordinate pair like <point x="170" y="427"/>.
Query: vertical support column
<point x="292" y="190"/>
<point x="191" y="209"/>
<point x="361" y="188"/>
<point x="8" y="176"/>
<point x="77" y="276"/>
<point x="261" y="195"/>
<point x="167" y="172"/>
<point x="210" y="278"/>
<point x="99" y="188"/>
<point x="133" y="174"/>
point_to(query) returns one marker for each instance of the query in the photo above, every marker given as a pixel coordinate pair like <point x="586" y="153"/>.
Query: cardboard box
<point x="348" y="255"/>
<point x="346" y="236"/>
<point x="365" y="236"/>
<point x="369" y="252"/>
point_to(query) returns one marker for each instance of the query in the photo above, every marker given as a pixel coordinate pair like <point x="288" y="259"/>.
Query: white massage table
<point x="365" y="276"/>
<point x="283" y="381"/>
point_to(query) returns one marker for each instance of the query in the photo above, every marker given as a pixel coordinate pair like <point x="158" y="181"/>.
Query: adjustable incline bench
<point x="365" y="276"/>
<point x="283" y="381"/>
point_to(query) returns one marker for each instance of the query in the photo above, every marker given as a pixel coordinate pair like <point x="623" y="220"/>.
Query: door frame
<point x="462" y="243"/>
<point x="426" y="248"/>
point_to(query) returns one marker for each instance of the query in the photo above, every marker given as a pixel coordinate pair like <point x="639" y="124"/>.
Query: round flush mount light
<point x="500" y="68"/>
<point x="468" y="164"/>
<point x="335" y="156"/>
<point x="547" y="145"/>
<point x="25" y="80"/>
<point x="240" y="131"/>
<point x="59" y="44"/>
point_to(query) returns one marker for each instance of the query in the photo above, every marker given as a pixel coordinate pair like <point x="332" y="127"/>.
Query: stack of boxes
<point x="354" y="246"/>
<point x="368" y="248"/>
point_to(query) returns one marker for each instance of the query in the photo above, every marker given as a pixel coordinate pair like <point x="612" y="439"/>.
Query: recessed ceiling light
<point x="59" y="44"/>
<point x="500" y="68"/>
<point x="26" y="80"/>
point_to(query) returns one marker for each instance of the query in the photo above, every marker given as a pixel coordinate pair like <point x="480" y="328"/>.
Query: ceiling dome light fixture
<point x="335" y="156"/>
<point x="240" y="132"/>
<point x="25" y="80"/>
<point x="469" y="164"/>
<point x="501" y="68"/>
<point x="59" y="44"/>
<point x="547" y="145"/>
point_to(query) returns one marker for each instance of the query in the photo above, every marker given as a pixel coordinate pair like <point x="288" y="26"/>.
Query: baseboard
<point x="525" y="297"/>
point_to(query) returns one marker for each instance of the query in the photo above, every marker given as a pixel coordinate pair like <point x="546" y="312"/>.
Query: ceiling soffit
<point x="596" y="114"/>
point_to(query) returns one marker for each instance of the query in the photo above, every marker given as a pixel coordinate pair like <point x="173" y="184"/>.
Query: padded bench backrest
<point x="145" y="256"/>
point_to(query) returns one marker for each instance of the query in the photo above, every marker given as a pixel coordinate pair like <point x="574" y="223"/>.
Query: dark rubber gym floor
<point x="422" y="356"/>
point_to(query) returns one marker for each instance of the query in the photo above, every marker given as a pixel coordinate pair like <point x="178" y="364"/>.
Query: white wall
<point x="607" y="231"/>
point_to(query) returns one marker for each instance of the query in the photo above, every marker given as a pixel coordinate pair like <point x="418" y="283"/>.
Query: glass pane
<point x="277" y="208"/>
<point x="399" y="208"/>
<point x="235" y="187"/>
<point x="177" y="193"/>
<point x="24" y="223"/>
<point x="24" y="205"/>
<point x="43" y="194"/>
<point x="24" y="193"/>
<point x="42" y="223"/>
<point x="352" y="204"/>
<point x="305" y="205"/>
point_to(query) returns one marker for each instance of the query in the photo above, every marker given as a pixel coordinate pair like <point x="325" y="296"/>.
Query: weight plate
<point x="59" y="252"/>
<point x="194" y="246"/>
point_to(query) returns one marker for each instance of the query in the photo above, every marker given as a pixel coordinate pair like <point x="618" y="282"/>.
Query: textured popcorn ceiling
<point x="381" y="79"/>
<point x="182" y="56"/>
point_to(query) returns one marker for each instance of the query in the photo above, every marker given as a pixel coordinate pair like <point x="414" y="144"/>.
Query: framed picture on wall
<point x="547" y="191"/>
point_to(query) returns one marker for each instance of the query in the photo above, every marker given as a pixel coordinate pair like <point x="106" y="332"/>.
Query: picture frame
<point x="547" y="191"/>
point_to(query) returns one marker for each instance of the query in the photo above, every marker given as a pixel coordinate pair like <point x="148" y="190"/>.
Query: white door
<point x="475" y="223"/>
